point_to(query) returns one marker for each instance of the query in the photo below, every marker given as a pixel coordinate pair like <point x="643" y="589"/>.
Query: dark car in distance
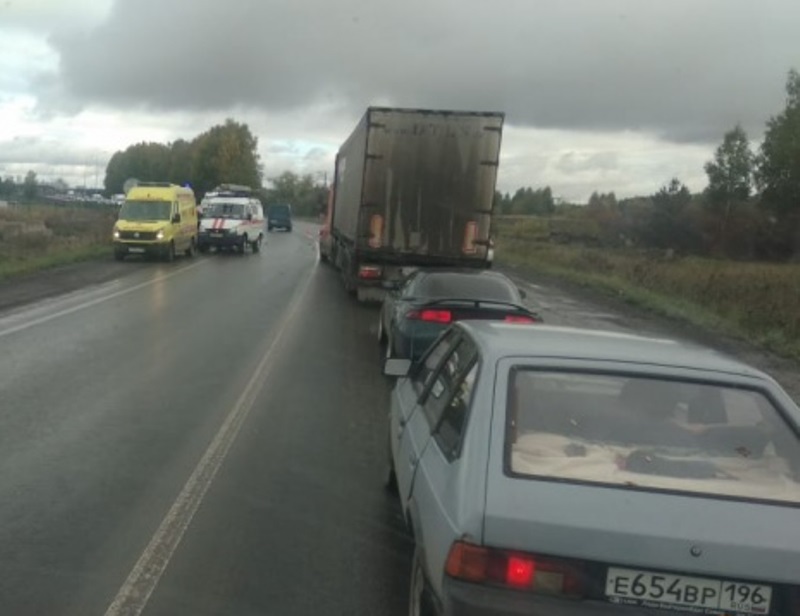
<point x="279" y="216"/>
<point x="414" y="313"/>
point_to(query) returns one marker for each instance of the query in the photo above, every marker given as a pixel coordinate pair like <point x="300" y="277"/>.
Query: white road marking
<point x="98" y="300"/>
<point x="135" y="592"/>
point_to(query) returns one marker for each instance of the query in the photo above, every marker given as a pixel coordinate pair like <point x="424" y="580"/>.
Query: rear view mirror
<point x="249" y="217"/>
<point x="397" y="367"/>
<point x="176" y="218"/>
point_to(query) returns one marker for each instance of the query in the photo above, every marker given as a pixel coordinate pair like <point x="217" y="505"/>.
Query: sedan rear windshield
<point x="466" y="286"/>
<point x="649" y="433"/>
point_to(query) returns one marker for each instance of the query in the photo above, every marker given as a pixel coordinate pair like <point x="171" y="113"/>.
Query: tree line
<point x="750" y="209"/>
<point x="225" y="153"/>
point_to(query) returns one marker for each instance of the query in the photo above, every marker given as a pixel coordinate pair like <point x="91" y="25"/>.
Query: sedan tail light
<point x="431" y="316"/>
<point x="519" y="570"/>
<point x="520" y="318"/>
<point x="370" y="272"/>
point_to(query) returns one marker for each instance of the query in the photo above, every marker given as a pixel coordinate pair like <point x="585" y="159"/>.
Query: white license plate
<point x="136" y="250"/>
<point x="698" y="595"/>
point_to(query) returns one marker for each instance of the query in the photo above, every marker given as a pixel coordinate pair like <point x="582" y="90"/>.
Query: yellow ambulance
<point x="157" y="219"/>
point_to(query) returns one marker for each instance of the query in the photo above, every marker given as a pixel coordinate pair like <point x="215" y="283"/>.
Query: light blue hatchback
<point x="555" y="471"/>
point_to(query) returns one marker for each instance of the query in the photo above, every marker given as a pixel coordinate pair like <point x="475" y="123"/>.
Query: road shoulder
<point x="44" y="284"/>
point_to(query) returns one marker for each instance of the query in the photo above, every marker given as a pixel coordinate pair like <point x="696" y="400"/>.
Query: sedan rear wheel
<point x="381" y="335"/>
<point x="420" y="597"/>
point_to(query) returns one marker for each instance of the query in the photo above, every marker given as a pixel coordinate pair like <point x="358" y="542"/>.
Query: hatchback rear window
<point x="650" y="433"/>
<point x="466" y="286"/>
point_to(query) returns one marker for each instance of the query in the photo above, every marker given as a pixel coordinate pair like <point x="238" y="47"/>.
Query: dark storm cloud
<point x="682" y="69"/>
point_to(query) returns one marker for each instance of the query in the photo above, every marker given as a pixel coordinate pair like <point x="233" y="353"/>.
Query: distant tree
<point x="60" y="185"/>
<point x="778" y="164"/>
<point x="669" y="225"/>
<point x="180" y="162"/>
<point x="30" y="186"/>
<point x="8" y="188"/>
<point x="730" y="180"/>
<point x="226" y="153"/>
<point x="147" y="161"/>
<point x="730" y="174"/>
<point x="602" y="201"/>
<point x="527" y="201"/>
<point x="306" y="197"/>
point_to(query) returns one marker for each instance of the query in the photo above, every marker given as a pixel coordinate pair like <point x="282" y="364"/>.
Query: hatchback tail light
<point x="519" y="318"/>
<point x="431" y="316"/>
<point x="370" y="272"/>
<point x="519" y="570"/>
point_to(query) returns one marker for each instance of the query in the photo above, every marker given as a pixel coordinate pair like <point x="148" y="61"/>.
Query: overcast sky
<point x="603" y="95"/>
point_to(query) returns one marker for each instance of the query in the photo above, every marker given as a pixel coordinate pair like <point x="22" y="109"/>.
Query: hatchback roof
<point x="513" y="340"/>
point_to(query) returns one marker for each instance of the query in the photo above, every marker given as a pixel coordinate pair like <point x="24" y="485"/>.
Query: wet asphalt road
<point x="112" y="397"/>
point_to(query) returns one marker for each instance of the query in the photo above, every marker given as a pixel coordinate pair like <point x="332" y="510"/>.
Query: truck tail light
<point x="376" y="231"/>
<point x="370" y="272"/>
<point x="431" y="316"/>
<point x="519" y="570"/>
<point x="470" y="235"/>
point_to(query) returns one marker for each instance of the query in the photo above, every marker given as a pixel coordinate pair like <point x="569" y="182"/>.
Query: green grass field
<point x="36" y="237"/>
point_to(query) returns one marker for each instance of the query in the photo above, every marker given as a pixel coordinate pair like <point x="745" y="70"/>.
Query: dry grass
<point x="35" y="237"/>
<point x="757" y="301"/>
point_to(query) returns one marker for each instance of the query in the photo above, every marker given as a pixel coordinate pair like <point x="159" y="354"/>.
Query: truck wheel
<point x="203" y="248"/>
<point x="169" y="257"/>
<point x="190" y="250"/>
<point x="256" y="246"/>
<point x="243" y="244"/>
<point x="119" y="255"/>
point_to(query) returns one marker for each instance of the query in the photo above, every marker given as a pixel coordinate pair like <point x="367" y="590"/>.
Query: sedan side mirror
<point x="397" y="367"/>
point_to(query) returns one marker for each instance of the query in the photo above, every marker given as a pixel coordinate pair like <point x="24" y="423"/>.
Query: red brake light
<point x="431" y="316"/>
<point x="519" y="318"/>
<point x="369" y="272"/>
<point x="530" y="572"/>
<point x="519" y="571"/>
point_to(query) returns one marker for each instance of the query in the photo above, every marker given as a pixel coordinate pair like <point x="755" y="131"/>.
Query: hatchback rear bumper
<point x="464" y="599"/>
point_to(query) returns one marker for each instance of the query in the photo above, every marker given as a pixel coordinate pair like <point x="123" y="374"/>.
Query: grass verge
<point x="33" y="237"/>
<point x="756" y="302"/>
<point x="65" y="256"/>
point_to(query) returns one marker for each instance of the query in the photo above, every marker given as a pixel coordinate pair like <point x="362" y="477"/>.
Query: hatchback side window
<point x="453" y="420"/>
<point x="447" y="382"/>
<point x="431" y="361"/>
